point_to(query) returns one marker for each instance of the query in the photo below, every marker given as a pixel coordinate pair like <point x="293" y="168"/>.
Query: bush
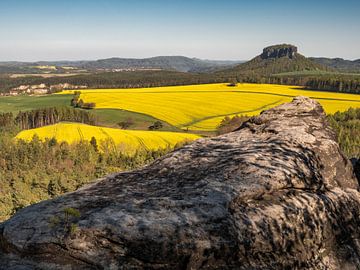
<point x="127" y="123"/>
<point x="229" y="124"/>
<point x="157" y="125"/>
<point x="88" y="106"/>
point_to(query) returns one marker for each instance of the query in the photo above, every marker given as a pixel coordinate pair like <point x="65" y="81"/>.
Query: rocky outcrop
<point x="278" y="51"/>
<point x="275" y="194"/>
<point x="356" y="164"/>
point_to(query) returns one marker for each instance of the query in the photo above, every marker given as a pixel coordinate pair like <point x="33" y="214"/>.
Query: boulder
<point x="275" y="194"/>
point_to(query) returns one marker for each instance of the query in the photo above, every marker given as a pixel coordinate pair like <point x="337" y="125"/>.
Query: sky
<point x="32" y="30"/>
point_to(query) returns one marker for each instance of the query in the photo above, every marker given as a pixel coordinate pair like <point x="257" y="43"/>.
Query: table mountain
<point x="276" y="59"/>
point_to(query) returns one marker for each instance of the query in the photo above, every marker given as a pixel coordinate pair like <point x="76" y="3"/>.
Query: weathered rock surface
<point x="277" y="51"/>
<point x="276" y="194"/>
<point x="356" y="165"/>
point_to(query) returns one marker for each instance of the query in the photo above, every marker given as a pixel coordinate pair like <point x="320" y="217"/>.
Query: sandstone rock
<point x="356" y="164"/>
<point x="278" y="51"/>
<point x="275" y="194"/>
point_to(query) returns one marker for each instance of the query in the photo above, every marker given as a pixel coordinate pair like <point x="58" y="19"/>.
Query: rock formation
<point x="275" y="60"/>
<point x="356" y="164"/>
<point x="278" y="51"/>
<point x="275" y="194"/>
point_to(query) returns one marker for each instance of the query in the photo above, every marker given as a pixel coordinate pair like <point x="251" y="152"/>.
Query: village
<point x="41" y="89"/>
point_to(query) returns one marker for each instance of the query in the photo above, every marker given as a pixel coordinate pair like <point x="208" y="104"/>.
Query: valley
<point x="202" y="107"/>
<point x="179" y="135"/>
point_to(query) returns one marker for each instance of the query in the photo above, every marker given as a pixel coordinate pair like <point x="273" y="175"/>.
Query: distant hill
<point x="177" y="63"/>
<point x="277" y="59"/>
<point x="173" y="63"/>
<point x="339" y="63"/>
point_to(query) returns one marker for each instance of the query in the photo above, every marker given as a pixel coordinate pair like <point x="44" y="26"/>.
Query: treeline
<point x="34" y="171"/>
<point x="6" y="119"/>
<point x="347" y="127"/>
<point x="47" y="116"/>
<point x="336" y="85"/>
<point x="126" y="79"/>
<point x="135" y="79"/>
<point x="76" y="102"/>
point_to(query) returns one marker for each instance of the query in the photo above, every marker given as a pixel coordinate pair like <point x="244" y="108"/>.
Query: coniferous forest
<point x="329" y="82"/>
<point x="38" y="170"/>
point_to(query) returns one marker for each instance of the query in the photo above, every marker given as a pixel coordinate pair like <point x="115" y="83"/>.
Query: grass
<point x="127" y="140"/>
<point x="202" y="107"/>
<point x="111" y="118"/>
<point x="24" y="103"/>
<point x="106" y="117"/>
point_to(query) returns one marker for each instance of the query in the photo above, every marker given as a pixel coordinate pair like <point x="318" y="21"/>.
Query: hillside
<point x="174" y="63"/>
<point x="276" y="59"/>
<point x="177" y="63"/>
<point x="128" y="140"/>
<point x="278" y="64"/>
<point x="339" y="64"/>
<point x="275" y="194"/>
<point x="202" y="107"/>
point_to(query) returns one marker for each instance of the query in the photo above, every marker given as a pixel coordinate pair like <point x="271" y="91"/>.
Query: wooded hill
<point x="276" y="59"/>
<point x="173" y="63"/>
<point x="338" y="64"/>
<point x="279" y="64"/>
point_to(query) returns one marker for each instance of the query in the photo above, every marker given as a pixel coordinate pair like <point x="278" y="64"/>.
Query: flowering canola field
<point x="127" y="140"/>
<point x="202" y="107"/>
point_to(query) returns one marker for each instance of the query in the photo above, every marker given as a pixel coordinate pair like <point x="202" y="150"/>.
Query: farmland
<point x="128" y="140"/>
<point x="202" y="107"/>
<point x="24" y="103"/>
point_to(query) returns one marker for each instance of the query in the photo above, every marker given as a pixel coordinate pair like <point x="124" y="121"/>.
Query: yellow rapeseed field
<point x="46" y="67"/>
<point x="126" y="140"/>
<point x="202" y="107"/>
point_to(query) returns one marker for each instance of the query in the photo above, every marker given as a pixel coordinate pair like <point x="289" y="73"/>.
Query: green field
<point x="24" y="103"/>
<point x="106" y="117"/>
<point x="111" y="118"/>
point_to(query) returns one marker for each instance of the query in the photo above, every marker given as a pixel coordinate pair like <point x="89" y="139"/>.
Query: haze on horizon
<point x="33" y="30"/>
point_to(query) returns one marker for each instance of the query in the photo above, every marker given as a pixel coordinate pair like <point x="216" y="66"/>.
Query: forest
<point x="47" y="116"/>
<point x="38" y="170"/>
<point x="134" y="79"/>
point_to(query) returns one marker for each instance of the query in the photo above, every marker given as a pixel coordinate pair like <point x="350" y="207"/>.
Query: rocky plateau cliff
<point x="279" y="51"/>
<point x="275" y="194"/>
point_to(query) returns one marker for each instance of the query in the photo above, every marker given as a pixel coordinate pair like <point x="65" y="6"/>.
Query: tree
<point x="93" y="142"/>
<point x="52" y="142"/>
<point x="88" y="106"/>
<point x="157" y="125"/>
<point x="233" y="82"/>
<point x="80" y="103"/>
<point x="128" y="122"/>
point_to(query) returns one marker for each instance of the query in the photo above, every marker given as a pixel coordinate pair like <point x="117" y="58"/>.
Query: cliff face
<point x="279" y="51"/>
<point x="276" y="194"/>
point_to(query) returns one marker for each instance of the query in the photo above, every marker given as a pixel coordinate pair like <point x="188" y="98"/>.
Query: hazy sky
<point x="212" y="29"/>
